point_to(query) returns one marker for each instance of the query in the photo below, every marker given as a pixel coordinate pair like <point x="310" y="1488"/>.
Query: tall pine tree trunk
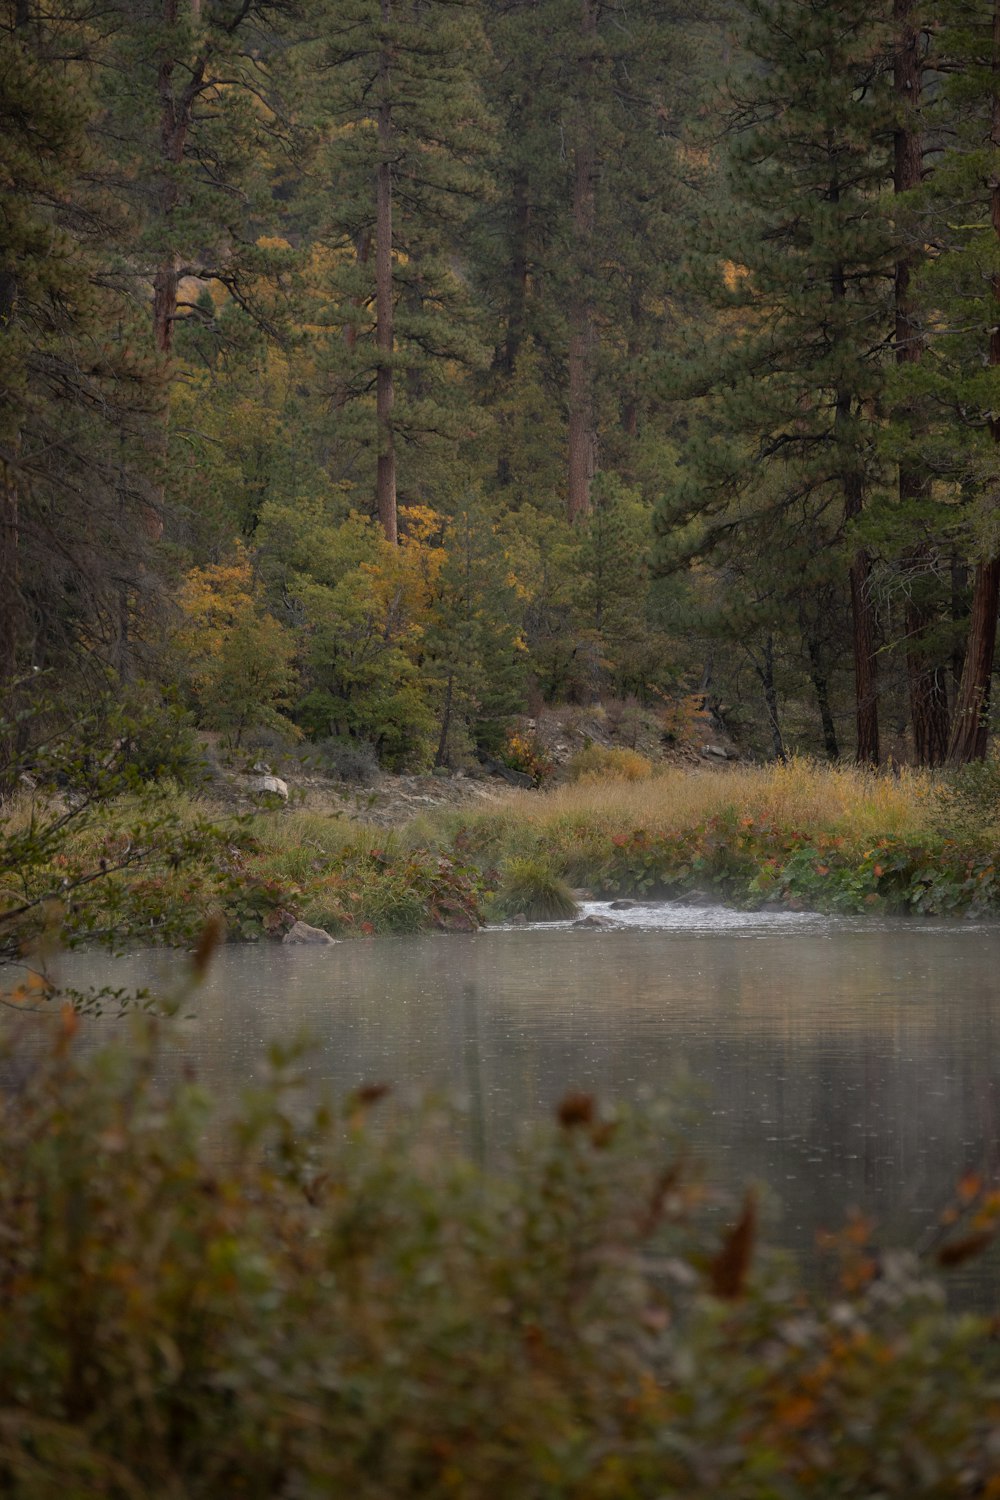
<point x="970" y="728"/>
<point x="176" y="107"/>
<point x="862" y="613"/>
<point x="385" y="484"/>
<point x="582" y="437"/>
<point x="928" y="696"/>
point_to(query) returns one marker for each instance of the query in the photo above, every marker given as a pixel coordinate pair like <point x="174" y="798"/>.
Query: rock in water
<point x="303" y="933"/>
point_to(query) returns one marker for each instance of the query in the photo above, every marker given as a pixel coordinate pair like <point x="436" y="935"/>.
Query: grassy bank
<point x="293" y="1304"/>
<point x="800" y="835"/>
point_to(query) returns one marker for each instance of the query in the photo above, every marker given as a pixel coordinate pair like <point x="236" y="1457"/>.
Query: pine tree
<point x="576" y="252"/>
<point x="799" y="268"/>
<point x="404" y="135"/>
<point x="954" y="386"/>
<point x="73" y="399"/>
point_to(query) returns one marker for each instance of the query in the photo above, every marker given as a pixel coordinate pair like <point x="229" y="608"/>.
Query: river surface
<point x="844" y="1063"/>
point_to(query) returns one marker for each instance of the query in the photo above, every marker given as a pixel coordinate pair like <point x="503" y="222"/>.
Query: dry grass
<point x="802" y="795"/>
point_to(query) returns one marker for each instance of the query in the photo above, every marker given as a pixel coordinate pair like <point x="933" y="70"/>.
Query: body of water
<point x="845" y="1063"/>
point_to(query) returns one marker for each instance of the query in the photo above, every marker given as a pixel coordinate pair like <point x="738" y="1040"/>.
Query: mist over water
<point x="846" y="1063"/>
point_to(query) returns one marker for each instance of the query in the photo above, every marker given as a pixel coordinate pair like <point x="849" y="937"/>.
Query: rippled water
<point x="843" y="1062"/>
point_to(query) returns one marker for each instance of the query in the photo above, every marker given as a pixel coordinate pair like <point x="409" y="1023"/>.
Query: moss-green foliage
<point x="294" y="1304"/>
<point x="531" y="888"/>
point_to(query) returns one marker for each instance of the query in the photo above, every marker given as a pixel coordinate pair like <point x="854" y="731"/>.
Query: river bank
<point x="795" y="837"/>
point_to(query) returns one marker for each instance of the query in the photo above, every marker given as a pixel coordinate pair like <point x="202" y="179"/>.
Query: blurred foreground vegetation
<point x="293" y="1302"/>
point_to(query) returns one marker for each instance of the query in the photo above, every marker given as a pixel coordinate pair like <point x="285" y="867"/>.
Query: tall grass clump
<point x="290" y="1303"/>
<point x="531" y="888"/>
<point x="596" y="762"/>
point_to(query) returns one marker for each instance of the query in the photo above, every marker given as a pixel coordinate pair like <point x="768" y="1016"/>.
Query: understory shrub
<point x="531" y="888"/>
<point x="293" y="1303"/>
<point x="597" y="761"/>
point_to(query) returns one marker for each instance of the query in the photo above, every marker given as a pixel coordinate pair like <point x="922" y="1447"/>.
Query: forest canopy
<point x="373" y="372"/>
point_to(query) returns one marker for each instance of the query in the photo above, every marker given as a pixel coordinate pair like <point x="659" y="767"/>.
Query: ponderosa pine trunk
<point x="970" y="727"/>
<point x="385" y="483"/>
<point x="929" y="715"/>
<point x="582" y="437"/>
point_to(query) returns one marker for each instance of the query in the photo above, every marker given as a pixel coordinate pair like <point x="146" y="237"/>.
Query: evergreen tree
<point x="800" y="269"/>
<point x="576" y="253"/>
<point x="73" y="399"/>
<point x="400" y="167"/>
<point x="954" y="386"/>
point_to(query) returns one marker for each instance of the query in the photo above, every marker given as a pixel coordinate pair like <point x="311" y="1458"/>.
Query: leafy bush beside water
<point x="291" y="1304"/>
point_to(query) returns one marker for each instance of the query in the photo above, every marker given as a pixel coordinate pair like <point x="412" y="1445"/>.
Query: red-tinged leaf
<point x="965" y="1249"/>
<point x="727" y="1273"/>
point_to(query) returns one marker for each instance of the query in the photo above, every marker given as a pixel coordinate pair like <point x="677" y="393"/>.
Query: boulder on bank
<point x="303" y="933"/>
<point x="271" y="786"/>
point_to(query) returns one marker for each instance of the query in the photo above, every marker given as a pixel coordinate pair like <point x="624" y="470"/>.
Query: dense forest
<point x="373" y="371"/>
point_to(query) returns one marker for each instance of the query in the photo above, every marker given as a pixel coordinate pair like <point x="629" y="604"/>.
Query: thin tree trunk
<point x="862" y="614"/>
<point x="362" y="250"/>
<point x="928" y="698"/>
<point x="385" y="485"/>
<point x="582" y="437"/>
<point x="821" y="687"/>
<point x="970" y="728"/>
<point x="765" y="671"/>
<point x="959" y="618"/>
<point x="863" y="638"/>
<point x="441" y="758"/>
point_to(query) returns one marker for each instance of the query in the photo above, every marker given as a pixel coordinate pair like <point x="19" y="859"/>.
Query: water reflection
<point x="843" y="1063"/>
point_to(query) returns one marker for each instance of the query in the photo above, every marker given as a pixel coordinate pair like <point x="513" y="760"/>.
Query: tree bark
<point x="765" y="671"/>
<point x="385" y="484"/>
<point x="862" y="614"/>
<point x="821" y="687"/>
<point x="929" y="715"/>
<point x="582" y="437"/>
<point x="970" y="728"/>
